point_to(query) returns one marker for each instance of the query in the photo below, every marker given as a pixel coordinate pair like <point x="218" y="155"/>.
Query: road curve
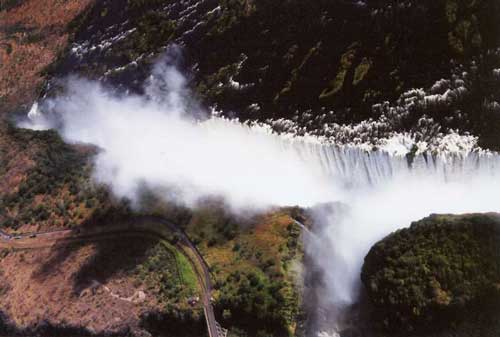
<point x="152" y="225"/>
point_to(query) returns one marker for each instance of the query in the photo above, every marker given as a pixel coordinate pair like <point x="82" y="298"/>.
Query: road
<point x="144" y="225"/>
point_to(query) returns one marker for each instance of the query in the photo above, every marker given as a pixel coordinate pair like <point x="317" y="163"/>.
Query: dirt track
<point x="144" y="226"/>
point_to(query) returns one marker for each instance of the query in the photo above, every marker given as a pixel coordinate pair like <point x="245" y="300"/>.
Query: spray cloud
<point x="153" y="140"/>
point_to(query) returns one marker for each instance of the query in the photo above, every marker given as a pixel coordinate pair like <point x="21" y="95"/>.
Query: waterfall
<point x="154" y="143"/>
<point x="381" y="193"/>
<point x="377" y="192"/>
<point x="357" y="167"/>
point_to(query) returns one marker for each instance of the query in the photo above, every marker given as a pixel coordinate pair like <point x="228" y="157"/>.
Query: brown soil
<point x="81" y="285"/>
<point x="32" y="34"/>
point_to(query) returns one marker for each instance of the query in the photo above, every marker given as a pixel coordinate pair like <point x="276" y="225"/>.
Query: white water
<point x="151" y="142"/>
<point x="382" y="193"/>
<point x="400" y="196"/>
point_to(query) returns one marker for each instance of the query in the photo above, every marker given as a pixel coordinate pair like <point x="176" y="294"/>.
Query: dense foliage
<point x="46" y="182"/>
<point x="167" y="271"/>
<point x="437" y="273"/>
<point x="262" y="295"/>
<point x="251" y="258"/>
<point x="252" y="263"/>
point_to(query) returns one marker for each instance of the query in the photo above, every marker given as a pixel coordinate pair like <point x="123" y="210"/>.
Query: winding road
<point x="144" y="225"/>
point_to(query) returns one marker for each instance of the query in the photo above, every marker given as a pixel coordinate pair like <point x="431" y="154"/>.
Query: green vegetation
<point x="465" y="35"/>
<point x="153" y="31"/>
<point x="252" y="262"/>
<point x="3" y="287"/>
<point x="51" y="181"/>
<point x="210" y="86"/>
<point x="9" y="4"/>
<point x="337" y="84"/>
<point x="297" y="72"/>
<point x="305" y="55"/>
<point x="361" y="70"/>
<point x="252" y="259"/>
<point x="296" y="56"/>
<point x="141" y="4"/>
<point x="168" y="271"/>
<point x="438" y="273"/>
<point x="23" y="33"/>
<point x="185" y="269"/>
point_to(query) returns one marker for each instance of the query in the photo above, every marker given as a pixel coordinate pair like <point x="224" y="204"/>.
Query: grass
<point x="185" y="269"/>
<point x="169" y="274"/>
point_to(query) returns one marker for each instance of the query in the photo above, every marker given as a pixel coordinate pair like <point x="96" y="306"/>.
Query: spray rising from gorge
<point x="159" y="141"/>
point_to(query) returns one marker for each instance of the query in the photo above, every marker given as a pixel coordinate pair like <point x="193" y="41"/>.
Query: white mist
<point x="153" y="141"/>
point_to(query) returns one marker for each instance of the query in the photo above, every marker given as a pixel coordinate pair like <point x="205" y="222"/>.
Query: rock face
<point x="442" y="273"/>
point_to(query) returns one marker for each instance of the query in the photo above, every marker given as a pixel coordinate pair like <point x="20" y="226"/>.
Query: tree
<point x="226" y="314"/>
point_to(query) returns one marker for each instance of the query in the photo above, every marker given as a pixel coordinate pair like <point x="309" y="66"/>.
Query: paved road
<point x="149" y="225"/>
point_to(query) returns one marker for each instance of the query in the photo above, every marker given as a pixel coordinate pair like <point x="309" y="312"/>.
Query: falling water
<point x="381" y="193"/>
<point x="357" y="167"/>
<point x="365" y="194"/>
<point x="373" y="194"/>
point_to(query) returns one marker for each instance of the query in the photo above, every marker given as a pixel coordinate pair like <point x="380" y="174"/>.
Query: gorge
<point x="183" y="158"/>
<point x="292" y="142"/>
